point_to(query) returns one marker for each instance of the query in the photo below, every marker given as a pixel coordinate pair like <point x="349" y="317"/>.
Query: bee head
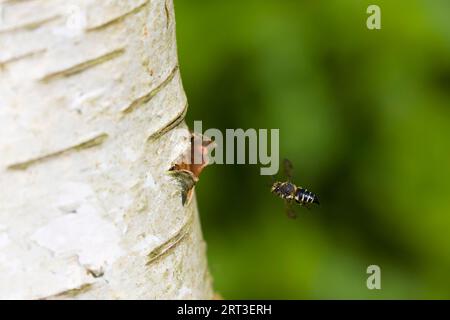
<point x="276" y="187"/>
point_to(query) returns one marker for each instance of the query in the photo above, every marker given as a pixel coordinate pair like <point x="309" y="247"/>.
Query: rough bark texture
<point x="90" y="94"/>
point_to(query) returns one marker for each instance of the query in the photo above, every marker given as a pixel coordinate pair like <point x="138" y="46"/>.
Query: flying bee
<point x="291" y="193"/>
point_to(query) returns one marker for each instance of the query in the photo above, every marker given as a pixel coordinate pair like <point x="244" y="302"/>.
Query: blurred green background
<point x="365" y="118"/>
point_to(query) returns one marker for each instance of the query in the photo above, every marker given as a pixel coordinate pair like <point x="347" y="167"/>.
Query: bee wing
<point x="289" y="209"/>
<point x="288" y="168"/>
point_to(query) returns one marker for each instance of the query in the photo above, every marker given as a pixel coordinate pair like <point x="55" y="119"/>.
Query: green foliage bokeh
<point x="365" y="118"/>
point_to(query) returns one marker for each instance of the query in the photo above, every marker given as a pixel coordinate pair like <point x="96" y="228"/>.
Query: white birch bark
<point x="90" y="93"/>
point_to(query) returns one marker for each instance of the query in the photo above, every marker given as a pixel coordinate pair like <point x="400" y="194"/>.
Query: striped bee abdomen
<point x="303" y="196"/>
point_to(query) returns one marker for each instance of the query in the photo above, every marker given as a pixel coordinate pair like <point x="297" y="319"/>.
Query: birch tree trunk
<point x="90" y="93"/>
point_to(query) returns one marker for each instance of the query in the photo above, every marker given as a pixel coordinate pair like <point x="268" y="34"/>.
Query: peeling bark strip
<point x="187" y="181"/>
<point x="83" y="66"/>
<point x="71" y="293"/>
<point x="166" y="10"/>
<point x="97" y="140"/>
<point x="30" y="25"/>
<point x="171" y="125"/>
<point x="21" y="57"/>
<point x="146" y="98"/>
<point x="119" y="18"/>
<point x="171" y="243"/>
